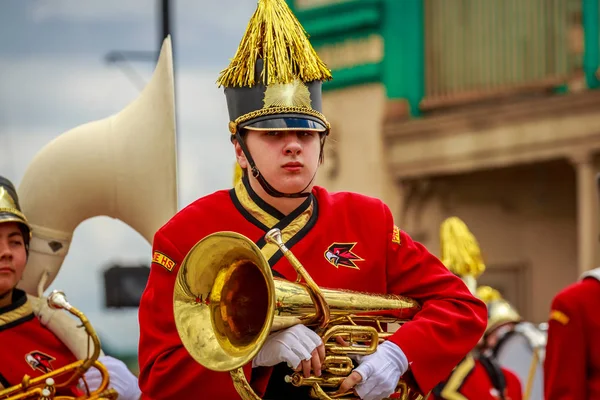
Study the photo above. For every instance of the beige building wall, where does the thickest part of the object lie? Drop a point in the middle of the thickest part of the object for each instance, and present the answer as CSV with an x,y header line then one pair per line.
x,y
355,157
523,181
524,219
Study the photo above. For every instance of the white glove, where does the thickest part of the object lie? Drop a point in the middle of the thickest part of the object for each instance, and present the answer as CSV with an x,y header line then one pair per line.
x,y
381,371
121,379
291,345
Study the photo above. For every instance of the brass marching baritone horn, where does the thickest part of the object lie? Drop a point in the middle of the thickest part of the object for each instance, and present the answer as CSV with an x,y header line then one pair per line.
x,y
226,303
44,387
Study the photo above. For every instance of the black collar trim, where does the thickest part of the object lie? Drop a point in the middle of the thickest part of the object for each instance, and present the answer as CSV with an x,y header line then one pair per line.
x,y
299,235
19,298
286,220
266,207
238,205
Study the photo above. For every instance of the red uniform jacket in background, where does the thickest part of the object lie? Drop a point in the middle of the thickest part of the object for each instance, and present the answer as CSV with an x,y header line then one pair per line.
x,y
572,364
28,348
472,380
379,259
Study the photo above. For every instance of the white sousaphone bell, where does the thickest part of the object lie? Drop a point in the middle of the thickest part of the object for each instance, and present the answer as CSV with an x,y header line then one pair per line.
x,y
123,167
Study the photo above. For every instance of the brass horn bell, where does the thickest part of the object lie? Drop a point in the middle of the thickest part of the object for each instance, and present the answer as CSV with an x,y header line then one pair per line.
x,y
226,303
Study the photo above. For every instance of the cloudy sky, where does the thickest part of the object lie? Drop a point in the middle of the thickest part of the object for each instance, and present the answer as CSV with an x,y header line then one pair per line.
x,y
54,76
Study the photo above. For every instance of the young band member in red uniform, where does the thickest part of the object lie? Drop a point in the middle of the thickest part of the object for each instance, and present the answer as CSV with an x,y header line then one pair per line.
x,y
489,380
572,364
344,240
27,345
478,376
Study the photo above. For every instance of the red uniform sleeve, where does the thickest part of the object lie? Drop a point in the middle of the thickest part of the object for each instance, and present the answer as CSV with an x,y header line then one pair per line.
x,y
451,320
565,364
513,385
167,371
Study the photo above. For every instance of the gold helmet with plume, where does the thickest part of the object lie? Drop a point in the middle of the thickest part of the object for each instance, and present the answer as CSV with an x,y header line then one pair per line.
x,y
462,256
10,210
460,251
500,311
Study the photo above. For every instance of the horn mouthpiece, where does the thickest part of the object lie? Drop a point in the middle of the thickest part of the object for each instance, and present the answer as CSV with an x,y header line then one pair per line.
x,y
58,300
274,237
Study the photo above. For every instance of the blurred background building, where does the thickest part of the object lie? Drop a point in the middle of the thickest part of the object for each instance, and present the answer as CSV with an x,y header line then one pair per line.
x,y
482,109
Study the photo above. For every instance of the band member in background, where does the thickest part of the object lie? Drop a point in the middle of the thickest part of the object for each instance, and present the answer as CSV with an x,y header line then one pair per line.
x,y
572,364
502,318
344,240
27,345
478,376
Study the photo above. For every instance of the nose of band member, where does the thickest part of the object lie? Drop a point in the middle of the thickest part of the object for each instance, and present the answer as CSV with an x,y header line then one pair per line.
x,y
292,145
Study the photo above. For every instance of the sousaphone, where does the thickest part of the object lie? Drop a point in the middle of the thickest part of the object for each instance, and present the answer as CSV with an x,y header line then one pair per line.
x,y
123,167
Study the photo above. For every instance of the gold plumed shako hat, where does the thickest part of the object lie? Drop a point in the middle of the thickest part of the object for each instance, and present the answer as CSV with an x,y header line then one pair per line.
x,y
460,251
500,311
10,210
274,80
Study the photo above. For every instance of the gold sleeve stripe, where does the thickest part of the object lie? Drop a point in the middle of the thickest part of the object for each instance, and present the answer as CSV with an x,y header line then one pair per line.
x,y
559,316
452,389
396,235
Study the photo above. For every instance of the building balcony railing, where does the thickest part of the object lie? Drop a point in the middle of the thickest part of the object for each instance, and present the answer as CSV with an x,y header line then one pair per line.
x,y
478,49
439,53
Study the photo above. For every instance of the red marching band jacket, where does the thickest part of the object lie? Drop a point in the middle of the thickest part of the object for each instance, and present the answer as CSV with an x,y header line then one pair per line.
x,y
377,258
572,363
29,348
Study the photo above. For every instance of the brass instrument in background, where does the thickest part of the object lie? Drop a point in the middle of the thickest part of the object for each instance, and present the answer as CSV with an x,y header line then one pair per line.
x,y
45,387
110,167
226,303
123,167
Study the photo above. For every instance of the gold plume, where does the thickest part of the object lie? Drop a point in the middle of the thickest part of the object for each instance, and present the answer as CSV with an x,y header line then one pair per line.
x,y
460,250
274,35
488,294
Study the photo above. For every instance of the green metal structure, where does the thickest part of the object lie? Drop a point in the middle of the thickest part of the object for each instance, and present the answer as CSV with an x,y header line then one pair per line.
x,y
440,52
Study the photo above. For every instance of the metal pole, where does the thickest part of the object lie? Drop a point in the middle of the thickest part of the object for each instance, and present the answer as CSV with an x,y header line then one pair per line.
x,y
165,20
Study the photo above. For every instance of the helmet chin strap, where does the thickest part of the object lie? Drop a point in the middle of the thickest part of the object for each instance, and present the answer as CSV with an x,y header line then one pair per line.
x,y
270,190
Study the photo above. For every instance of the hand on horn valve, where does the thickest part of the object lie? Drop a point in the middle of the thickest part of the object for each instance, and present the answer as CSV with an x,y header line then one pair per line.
x,y
378,374
121,379
298,346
